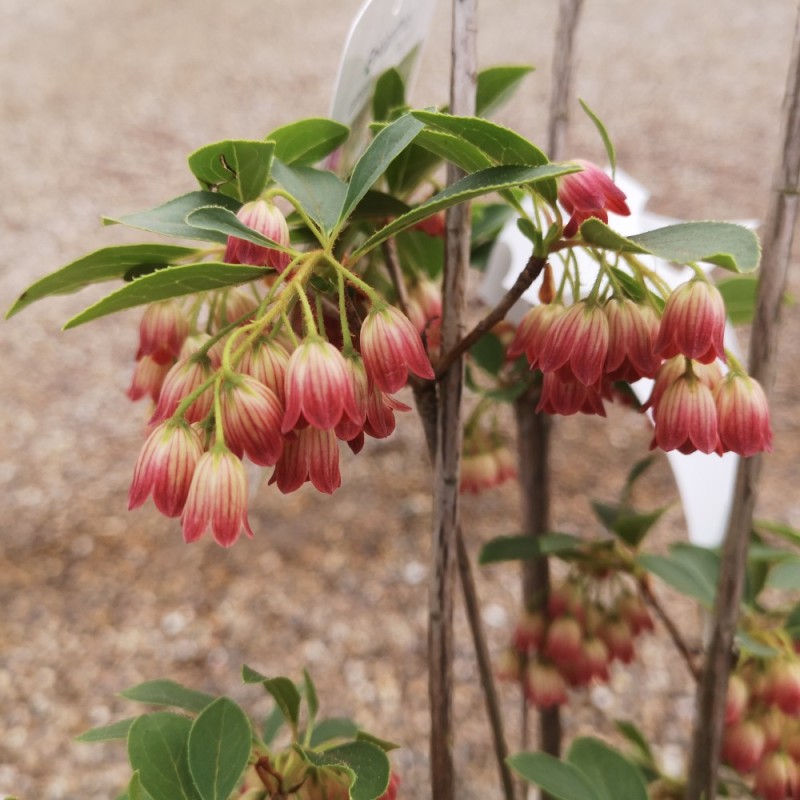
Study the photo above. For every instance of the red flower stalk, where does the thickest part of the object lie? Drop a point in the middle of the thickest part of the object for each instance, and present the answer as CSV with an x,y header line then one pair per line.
x,y
743,415
312,456
532,330
267,219
576,344
391,348
162,331
589,193
267,362
631,334
544,685
148,378
251,419
743,745
217,499
686,418
184,377
165,467
693,323
318,386
567,396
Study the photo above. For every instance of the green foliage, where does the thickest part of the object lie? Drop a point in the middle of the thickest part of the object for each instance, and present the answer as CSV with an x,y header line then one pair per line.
x,y
167,283
489,353
220,741
739,293
328,730
558,778
366,760
691,570
629,525
601,129
420,254
389,95
496,86
307,141
117,730
168,693
123,261
169,218
724,244
239,169
524,547
222,220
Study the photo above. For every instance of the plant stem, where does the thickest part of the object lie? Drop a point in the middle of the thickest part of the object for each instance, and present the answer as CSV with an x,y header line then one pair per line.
x,y
777,238
449,429
528,275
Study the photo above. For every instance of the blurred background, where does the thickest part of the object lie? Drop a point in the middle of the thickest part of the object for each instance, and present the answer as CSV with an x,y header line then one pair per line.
x,y
100,104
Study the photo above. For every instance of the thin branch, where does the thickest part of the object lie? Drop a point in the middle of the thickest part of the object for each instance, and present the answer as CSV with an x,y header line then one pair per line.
x,y
449,427
396,273
532,269
672,628
777,238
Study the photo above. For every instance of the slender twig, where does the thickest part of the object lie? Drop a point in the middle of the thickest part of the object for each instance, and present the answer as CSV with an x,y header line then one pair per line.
x,y
777,238
396,273
532,269
672,628
449,428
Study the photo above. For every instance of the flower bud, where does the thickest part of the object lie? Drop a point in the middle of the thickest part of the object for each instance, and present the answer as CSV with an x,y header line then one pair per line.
x,y
777,777
589,193
563,640
743,745
544,685
267,219
162,332
743,416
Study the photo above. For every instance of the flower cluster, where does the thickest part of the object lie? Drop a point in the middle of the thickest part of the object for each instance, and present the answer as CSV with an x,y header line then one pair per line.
x,y
486,461
762,718
259,381
587,625
584,349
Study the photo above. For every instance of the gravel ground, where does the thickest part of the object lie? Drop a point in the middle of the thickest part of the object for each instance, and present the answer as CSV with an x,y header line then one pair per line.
x,y
100,104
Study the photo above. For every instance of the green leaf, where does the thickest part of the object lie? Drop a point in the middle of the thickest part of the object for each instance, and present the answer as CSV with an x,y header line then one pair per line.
x,y
379,205
169,219
167,283
219,748
157,748
496,85
250,675
116,730
450,148
739,294
601,129
390,94
123,261
502,145
488,220
236,168
370,764
792,623
489,353
319,192
382,150
286,696
643,751
135,789
479,183
334,728
168,693
522,547
688,578
636,472
308,140
421,254
747,643
725,244
779,529
214,218
624,522
612,776
384,744
785,575
558,778
272,724
312,701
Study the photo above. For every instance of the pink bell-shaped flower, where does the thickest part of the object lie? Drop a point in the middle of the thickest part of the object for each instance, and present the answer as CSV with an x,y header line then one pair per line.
x,y
544,685
267,362
743,415
391,348
267,219
312,455
743,745
318,386
532,330
162,332
184,378
631,335
589,193
148,378
577,344
217,498
165,467
777,777
252,417
693,323
686,417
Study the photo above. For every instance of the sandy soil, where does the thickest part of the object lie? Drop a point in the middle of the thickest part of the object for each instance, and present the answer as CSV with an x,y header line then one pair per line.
x,y
100,104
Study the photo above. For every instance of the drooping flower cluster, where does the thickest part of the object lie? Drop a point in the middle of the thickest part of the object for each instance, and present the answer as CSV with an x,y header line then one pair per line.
x,y
573,642
584,349
258,384
762,725
486,462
